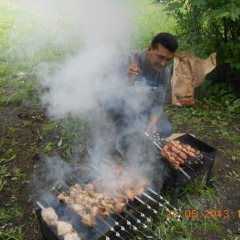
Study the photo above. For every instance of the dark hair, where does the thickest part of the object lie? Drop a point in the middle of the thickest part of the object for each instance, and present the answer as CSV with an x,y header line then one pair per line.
x,y
167,40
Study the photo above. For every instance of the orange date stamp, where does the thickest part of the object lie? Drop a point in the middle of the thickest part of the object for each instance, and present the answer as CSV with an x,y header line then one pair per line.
x,y
207,213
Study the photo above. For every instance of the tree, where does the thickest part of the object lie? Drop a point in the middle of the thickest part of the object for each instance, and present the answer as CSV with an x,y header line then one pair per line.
x,y
207,26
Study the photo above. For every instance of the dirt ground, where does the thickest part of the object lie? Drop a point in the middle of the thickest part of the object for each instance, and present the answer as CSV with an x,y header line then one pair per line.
x,y
28,144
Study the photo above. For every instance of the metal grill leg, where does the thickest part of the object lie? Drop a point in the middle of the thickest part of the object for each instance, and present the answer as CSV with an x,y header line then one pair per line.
x,y
209,176
175,196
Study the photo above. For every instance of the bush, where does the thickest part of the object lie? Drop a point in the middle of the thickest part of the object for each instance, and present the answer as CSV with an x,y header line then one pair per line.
x,y
210,26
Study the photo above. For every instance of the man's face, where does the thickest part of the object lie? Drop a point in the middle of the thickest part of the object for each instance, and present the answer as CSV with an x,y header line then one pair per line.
x,y
159,58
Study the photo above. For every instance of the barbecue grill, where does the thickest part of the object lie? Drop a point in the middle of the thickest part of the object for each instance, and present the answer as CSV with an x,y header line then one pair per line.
x,y
140,213
191,169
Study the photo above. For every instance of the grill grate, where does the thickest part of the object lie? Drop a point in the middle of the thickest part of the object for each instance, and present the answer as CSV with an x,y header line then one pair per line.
x,y
143,210
137,215
192,168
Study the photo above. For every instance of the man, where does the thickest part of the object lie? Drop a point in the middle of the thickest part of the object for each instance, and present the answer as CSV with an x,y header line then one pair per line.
x,y
152,66
148,75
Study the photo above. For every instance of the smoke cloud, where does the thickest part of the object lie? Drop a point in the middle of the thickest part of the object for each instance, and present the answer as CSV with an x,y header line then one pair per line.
x,y
86,79
99,29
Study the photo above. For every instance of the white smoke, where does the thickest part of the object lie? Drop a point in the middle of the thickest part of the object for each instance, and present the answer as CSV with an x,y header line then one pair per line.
x,y
73,88
101,28
101,31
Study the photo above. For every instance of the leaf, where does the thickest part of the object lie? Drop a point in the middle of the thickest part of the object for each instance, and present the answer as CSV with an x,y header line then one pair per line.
x,y
2,183
237,65
198,3
60,142
224,15
231,109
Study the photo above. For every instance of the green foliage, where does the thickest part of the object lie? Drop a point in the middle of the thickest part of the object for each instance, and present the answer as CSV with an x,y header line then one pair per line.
x,y
210,26
75,131
225,94
234,175
49,127
13,233
48,147
7,231
25,46
215,114
4,174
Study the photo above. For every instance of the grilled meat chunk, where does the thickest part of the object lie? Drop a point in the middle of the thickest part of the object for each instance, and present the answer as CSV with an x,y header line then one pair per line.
x,y
88,220
64,228
79,209
49,216
74,190
72,236
89,188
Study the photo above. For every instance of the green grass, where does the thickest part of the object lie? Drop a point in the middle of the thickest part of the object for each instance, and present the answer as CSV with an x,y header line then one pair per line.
x,y
149,19
24,45
234,175
7,216
206,121
190,200
222,121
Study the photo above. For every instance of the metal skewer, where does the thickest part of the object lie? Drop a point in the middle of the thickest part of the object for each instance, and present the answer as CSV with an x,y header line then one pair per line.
x,y
188,166
161,205
161,198
161,150
184,173
100,218
111,228
40,205
148,207
130,224
208,157
106,237
121,227
142,215
142,224
115,222
42,208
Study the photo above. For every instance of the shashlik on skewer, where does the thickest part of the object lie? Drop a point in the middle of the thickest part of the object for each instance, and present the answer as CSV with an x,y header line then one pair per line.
x,y
177,153
64,229
89,204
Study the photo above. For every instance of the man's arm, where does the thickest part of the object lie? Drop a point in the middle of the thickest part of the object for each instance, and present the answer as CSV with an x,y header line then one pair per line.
x,y
152,123
154,117
129,69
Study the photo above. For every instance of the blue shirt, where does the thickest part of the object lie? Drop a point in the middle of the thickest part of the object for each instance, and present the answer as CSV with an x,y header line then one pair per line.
x,y
153,84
